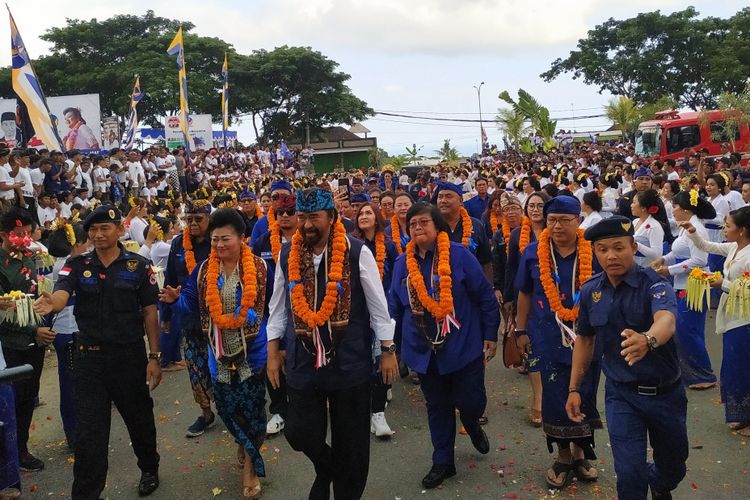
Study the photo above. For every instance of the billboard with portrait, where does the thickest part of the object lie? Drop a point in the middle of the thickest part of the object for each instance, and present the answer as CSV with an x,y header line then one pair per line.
x,y
110,132
199,127
9,132
78,121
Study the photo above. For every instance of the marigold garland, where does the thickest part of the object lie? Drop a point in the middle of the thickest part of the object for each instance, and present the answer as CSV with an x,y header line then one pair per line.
x,y
187,244
439,310
275,236
249,291
466,228
545,271
335,274
506,234
380,252
525,237
258,211
396,234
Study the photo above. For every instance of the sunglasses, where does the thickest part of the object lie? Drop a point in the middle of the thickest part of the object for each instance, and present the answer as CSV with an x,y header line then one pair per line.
x,y
286,211
194,218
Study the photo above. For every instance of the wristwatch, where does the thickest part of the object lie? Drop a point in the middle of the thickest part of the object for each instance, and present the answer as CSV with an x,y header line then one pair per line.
x,y
652,342
390,349
154,356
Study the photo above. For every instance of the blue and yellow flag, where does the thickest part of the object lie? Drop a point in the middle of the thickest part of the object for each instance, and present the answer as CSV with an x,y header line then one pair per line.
x,y
176,48
135,98
28,89
225,100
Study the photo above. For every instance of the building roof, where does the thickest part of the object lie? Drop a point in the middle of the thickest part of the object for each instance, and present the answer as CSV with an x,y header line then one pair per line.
x,y
334,134
358,128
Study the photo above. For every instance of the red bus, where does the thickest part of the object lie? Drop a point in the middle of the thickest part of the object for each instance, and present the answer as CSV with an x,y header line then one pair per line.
x,y
673,132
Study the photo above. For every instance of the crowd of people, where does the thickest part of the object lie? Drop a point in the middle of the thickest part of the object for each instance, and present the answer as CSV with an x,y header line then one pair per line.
x,y
260,278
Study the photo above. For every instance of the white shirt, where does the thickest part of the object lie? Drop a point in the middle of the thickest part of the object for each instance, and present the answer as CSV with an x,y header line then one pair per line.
x,y
136,174
5,178
25,176
649,235
714,226
685,255
590,220
734,198
609,202
673,176
46,215
137,225
372,288
735,264
157,253
37,177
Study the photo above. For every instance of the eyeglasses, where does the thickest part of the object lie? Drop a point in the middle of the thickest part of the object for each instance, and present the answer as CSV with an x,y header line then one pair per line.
x,y
194,218
419,222
511,208
286,211
535,206
563,221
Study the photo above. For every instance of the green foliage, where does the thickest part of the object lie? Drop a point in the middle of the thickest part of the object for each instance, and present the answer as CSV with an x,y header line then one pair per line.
x,y
538,115
736,110
512,124
690,59
627,115
447,152
413,153
283,89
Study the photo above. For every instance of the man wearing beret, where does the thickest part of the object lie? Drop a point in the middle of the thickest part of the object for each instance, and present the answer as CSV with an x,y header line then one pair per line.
x,y
279,186
642,181
628,313
550,274
116,297
248,206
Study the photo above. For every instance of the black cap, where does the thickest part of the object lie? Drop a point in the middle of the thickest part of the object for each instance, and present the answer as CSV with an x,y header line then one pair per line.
x,y
613,227
104,213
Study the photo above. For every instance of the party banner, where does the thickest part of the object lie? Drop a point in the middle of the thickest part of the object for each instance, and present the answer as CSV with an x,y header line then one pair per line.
x,y
78,121
199,127
110,132
11,133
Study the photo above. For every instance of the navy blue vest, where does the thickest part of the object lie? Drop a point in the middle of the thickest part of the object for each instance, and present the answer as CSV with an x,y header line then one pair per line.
x,y
352,355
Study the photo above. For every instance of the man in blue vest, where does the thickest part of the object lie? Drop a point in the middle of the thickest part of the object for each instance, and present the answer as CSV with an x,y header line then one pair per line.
x,y
328,367
630,311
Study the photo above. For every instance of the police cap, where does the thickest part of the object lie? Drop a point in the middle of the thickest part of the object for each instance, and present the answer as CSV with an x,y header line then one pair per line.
x,y
104,213
613,227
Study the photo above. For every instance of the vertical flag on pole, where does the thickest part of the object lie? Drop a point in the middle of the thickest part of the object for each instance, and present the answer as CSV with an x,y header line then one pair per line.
x,y
26,86
484,136
176,48
225,100
135,98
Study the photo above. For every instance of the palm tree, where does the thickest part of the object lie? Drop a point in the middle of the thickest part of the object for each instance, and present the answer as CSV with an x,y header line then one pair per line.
x,y
530,108
624,114
512,124
447,152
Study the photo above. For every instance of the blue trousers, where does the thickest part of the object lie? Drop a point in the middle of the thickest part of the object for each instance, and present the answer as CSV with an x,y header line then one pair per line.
x,y
10,474
462,390
65,349
169,343
633,420
691,344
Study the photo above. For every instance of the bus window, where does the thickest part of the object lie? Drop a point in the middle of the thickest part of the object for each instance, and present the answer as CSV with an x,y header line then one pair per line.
x,y
679,138
719,132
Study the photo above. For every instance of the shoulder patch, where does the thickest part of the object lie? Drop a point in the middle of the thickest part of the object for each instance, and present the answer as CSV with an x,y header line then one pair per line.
x,y
131,265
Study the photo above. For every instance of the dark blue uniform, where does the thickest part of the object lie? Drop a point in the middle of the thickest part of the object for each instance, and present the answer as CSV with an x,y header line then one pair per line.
x,y
646,399
452,376
478,243
477,206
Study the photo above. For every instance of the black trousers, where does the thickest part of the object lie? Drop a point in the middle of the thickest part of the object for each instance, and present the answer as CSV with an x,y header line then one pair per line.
x,y
26,390
103,375
346,462
278,397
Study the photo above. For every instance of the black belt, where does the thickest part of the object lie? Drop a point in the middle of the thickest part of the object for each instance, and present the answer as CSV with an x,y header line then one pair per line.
x,y
645,389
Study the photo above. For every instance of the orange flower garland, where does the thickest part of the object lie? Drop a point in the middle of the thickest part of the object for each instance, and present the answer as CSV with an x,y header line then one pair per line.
x,y
273,227
506,234
396,234
525,237
466,228
187,244
335,274
249,291
493,222
545,271
380,252
439,310
258,211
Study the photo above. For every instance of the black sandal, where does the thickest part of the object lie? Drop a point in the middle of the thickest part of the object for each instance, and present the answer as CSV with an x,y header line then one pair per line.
x,y
557,469
581,468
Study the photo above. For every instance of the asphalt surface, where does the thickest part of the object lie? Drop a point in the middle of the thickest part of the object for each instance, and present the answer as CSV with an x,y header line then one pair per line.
x,y
205,467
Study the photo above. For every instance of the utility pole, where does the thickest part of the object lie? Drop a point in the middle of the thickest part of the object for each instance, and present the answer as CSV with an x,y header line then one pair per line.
x,y
482,136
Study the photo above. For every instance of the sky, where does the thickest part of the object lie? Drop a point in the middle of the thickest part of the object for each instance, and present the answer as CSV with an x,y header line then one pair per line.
x,y
418,57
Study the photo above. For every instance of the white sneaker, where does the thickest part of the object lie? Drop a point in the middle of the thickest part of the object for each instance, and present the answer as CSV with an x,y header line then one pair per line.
x,y
379,426
389,395
275,425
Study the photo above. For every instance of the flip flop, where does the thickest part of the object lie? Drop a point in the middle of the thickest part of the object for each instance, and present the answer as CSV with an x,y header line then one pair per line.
x,y
702,386
563,473
584,471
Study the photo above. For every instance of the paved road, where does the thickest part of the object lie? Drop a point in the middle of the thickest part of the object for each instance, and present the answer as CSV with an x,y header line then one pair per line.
x,y
196,468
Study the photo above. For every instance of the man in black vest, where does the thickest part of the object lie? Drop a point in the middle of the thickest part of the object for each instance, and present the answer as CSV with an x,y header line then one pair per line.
x,y
327,304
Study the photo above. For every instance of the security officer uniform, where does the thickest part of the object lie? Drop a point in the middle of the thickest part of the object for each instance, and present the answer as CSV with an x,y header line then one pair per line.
x,y
646,399
110,362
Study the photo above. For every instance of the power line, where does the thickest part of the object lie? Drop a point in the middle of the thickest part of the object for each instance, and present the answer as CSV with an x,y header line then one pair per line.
x,y
466,120
476,113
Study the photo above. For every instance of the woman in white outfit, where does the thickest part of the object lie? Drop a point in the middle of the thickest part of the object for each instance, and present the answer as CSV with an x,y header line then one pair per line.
x,y
715,185
608,184
649,233
591,207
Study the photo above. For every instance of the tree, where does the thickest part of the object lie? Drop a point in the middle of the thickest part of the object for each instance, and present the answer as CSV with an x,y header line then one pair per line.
x,y
736,114
622,111
447,153
530,108
652,55
413,153
284,89
289,88
512,124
